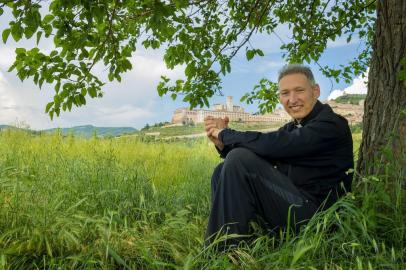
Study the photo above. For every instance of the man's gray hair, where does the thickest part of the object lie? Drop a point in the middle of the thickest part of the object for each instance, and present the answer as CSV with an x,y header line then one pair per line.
x,y
297,68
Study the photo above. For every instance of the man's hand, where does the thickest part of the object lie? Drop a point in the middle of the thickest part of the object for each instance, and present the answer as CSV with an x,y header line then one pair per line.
x,y
213,126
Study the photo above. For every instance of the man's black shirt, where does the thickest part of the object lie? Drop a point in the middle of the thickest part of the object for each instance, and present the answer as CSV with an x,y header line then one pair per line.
x,y
316,154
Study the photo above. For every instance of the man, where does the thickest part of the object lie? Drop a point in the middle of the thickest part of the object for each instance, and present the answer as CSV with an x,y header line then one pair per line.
x,y
282,177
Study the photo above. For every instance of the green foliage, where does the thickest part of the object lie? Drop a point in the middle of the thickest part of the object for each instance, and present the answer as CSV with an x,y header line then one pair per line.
x,y
351,98
265,93
203,36
74,203
314,23
357,128
146,127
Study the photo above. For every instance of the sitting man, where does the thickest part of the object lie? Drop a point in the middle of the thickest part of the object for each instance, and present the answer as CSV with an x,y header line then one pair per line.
x,y
302,167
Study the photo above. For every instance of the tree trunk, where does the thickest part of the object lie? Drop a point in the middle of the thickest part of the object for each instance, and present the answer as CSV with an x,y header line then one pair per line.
x,y
386,98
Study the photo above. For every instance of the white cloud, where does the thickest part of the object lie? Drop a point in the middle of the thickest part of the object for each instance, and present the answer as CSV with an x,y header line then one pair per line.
x,y
138,86
273,64
6,101
264,66
94,114
335,94
119,116
358,86
2,78
7,56
14,108
27,106
151,67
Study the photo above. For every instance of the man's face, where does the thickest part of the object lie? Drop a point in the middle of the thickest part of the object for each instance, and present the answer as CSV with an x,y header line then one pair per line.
x,y
297,95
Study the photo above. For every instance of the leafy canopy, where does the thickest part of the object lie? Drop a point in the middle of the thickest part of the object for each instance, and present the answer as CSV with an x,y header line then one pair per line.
x,y
202,35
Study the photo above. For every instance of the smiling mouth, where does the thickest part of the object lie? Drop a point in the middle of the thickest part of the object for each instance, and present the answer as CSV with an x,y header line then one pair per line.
x,y
297,107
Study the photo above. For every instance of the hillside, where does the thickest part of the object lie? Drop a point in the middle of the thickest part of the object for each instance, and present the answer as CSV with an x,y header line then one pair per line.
x,y
351,98
82,131
89,130
4,126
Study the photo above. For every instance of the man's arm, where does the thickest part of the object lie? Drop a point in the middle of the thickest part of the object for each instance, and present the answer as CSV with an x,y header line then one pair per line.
x,y
308,140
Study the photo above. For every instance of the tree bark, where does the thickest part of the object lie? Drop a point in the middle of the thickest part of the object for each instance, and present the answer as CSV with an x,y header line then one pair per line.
x,y
383,124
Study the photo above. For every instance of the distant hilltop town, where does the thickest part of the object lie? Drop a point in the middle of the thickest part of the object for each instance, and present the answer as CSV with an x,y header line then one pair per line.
x,y
235,113
183,116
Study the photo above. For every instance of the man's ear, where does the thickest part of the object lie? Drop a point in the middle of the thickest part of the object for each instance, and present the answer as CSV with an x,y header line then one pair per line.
x,y
316,90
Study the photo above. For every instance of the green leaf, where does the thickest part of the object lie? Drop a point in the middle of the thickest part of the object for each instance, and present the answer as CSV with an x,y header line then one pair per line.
x,y
22,74
48,30
250,54
16,31
36,77
53,53
92,92
190,70
47,19
12,67
5,34
39,34
57,86
82,100
20,51
41,82
259,52
28,32
111,76
49,106
69,104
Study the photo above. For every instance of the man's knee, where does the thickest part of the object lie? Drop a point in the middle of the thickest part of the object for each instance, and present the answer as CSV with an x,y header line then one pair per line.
x,y
239,157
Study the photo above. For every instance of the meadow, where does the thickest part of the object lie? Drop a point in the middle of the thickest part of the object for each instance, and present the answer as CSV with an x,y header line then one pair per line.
x,y
123,203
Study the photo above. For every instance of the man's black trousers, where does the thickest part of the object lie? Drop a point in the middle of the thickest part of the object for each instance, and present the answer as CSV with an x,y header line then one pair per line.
x,y
247,188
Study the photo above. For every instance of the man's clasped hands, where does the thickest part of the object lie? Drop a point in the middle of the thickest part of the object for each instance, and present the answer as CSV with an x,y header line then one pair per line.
x,y
213,126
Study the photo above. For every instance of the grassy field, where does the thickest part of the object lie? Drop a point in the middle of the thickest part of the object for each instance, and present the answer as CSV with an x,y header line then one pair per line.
x,y
71,203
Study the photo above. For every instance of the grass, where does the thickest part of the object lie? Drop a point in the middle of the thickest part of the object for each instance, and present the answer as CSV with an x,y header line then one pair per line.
x,y
72,203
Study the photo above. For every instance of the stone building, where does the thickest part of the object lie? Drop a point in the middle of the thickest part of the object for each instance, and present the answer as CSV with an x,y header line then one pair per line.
x,y
234,113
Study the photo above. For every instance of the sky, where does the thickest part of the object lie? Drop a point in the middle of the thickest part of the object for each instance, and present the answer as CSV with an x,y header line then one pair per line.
x,y
135,102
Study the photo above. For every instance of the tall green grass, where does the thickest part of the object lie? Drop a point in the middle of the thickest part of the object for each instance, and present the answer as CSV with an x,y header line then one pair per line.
x,y
72,203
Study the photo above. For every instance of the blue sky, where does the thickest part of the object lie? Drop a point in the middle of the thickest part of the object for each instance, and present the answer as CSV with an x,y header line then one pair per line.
x,y
135,102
